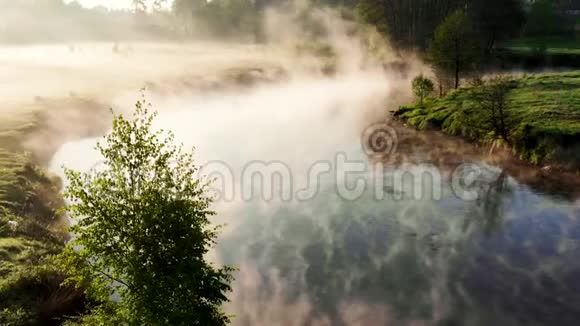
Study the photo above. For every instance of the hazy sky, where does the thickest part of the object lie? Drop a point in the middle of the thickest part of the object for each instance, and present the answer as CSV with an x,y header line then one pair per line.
x,y
112,4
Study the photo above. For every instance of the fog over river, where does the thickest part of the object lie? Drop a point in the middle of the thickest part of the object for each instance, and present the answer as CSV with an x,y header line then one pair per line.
x,y
510,255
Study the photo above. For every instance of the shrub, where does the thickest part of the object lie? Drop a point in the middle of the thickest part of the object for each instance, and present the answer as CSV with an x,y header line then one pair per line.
x,y
422,87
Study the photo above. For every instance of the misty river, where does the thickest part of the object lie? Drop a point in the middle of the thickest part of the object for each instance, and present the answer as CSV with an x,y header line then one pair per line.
x,y
391,254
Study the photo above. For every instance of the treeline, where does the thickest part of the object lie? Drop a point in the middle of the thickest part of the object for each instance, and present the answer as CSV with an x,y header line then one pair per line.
x,y
229,18
32,21
460,36
411,23
406,23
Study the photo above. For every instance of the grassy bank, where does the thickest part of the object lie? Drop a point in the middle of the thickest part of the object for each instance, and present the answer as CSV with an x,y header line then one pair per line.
x,y
538,53
554,45
26,238
31,231
543,112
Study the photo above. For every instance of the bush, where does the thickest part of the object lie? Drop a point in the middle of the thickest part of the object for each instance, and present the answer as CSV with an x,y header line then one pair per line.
x,y
493,104
422,87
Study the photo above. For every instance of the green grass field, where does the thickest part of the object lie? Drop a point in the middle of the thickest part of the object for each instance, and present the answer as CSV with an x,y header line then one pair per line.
x,y
550,45
543,109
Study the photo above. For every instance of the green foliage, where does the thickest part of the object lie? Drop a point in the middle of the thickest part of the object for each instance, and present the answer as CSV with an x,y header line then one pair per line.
x,y
491,102
497,20
407,23
542,19
32,289
422,87
29,200
374,12
27,190
542,115
15,316
454,49
549,45
104,314
143,229
410,23
223,18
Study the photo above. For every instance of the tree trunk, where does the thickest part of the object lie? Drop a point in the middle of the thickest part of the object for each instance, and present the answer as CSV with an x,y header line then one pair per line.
x,y
490,44
456,75
457,62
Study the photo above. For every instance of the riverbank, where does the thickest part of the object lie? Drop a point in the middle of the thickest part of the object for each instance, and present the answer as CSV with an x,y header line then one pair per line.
x,y
543,113
539,53
32,228
447,153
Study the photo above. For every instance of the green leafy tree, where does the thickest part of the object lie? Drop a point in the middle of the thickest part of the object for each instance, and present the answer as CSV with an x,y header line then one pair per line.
x,y
143,229
221,18
497,20
374,12
454,49
492,101
542,19
422,87
407,23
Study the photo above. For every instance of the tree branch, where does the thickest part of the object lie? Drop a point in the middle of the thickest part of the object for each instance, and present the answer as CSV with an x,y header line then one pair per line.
x,y
109,276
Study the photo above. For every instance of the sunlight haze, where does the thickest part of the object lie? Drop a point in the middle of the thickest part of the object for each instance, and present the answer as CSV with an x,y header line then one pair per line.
x,y
111,4
290,162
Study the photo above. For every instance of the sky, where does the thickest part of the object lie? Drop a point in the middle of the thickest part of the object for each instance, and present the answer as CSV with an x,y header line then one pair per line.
x,y
111,4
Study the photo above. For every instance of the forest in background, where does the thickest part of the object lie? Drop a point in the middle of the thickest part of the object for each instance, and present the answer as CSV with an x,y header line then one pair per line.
x,y
406,23
505,34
